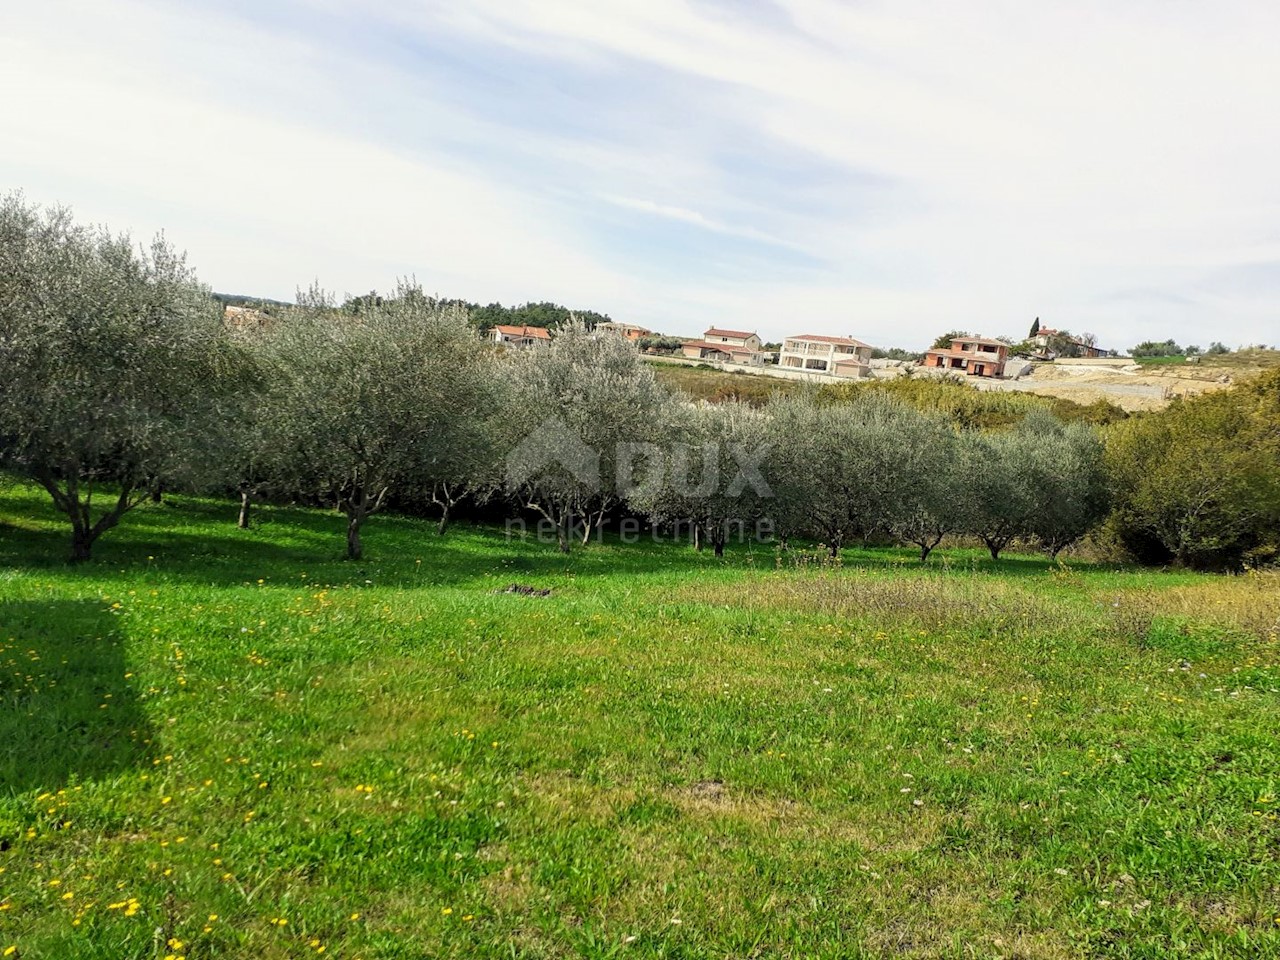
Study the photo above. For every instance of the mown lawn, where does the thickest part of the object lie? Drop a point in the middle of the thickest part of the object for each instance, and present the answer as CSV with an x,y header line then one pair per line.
x,y
225,743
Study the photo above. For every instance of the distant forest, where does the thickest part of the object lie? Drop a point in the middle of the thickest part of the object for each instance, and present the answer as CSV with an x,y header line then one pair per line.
x,y
545,314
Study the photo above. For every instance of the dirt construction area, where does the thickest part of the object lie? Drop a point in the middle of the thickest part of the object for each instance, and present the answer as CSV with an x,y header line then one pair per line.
x,y
1132,386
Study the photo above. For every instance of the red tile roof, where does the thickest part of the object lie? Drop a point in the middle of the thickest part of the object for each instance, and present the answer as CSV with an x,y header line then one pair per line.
x,y
537,333
739,334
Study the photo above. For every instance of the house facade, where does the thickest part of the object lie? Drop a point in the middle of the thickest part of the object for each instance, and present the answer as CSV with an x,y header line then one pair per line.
x,y
971,356
725,346
520,337
734,338
1052,343
628,331
834,356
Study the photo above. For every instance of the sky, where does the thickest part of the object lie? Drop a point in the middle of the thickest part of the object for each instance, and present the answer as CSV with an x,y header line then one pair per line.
x,y
886,170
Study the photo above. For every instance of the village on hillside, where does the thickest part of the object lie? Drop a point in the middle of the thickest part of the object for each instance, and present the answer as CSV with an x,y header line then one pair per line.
x,y
1049,361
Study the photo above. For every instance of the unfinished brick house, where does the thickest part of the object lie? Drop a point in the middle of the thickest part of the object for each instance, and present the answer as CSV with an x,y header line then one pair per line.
x,y
971,356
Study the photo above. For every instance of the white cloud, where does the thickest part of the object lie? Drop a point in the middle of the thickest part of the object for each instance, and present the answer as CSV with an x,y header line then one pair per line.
x,y
1105,166
264,205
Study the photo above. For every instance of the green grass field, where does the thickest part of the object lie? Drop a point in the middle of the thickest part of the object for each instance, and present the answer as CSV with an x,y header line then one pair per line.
x,y
225,743
708,383
1238,361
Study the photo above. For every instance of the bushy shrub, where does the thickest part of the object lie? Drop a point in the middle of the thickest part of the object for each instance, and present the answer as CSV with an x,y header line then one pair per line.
x,y
1198,484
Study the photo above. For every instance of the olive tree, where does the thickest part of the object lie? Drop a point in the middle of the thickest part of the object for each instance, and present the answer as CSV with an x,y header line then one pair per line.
x,y
930,506
254,448
471,467
374,401
1069,481
846,469
999,488
709,473
580,409
116,372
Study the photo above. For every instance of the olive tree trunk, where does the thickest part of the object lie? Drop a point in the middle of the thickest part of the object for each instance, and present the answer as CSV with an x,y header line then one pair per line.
x,y
78,507
358,505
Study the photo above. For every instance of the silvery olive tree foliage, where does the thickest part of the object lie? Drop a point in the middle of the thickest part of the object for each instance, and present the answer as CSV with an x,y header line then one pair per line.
x,y
1040,480
931,505
363,404
580,408
116,372
710,473
999,495
1070,481
847,469
253,461
471,466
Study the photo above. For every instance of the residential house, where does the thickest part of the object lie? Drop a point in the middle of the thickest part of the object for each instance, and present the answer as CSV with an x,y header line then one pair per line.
x,y
521,337
629,331
834,356
725,346
972,356
734,338
1053,343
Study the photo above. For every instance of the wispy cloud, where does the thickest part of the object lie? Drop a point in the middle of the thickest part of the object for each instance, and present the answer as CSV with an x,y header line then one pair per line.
x,y
694,218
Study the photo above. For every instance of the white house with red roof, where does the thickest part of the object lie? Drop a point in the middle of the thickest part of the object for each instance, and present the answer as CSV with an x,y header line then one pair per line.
x,y
834,356
517,336
726,346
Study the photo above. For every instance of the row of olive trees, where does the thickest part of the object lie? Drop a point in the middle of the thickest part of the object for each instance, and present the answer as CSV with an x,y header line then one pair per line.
x,y
872,467
117,369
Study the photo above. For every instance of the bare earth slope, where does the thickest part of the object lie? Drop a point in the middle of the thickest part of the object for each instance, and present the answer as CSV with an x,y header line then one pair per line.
x,y
1146,386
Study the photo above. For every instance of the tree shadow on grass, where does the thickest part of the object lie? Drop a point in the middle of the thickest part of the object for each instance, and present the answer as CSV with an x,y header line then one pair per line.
x,y
68,711
195,541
